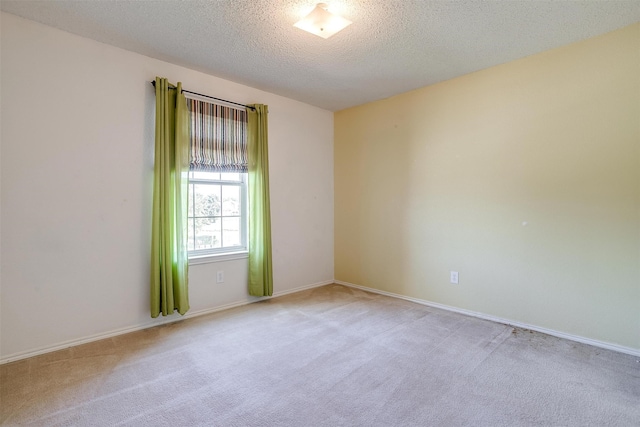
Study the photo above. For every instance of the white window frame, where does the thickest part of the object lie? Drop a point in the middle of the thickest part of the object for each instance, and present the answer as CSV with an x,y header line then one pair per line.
x,y
197,256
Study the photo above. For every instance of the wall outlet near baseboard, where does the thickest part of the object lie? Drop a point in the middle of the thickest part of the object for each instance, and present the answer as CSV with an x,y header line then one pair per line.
x,y
220,276
453,277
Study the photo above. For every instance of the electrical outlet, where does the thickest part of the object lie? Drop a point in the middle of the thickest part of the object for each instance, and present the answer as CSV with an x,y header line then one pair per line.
x,y
453,277
220,276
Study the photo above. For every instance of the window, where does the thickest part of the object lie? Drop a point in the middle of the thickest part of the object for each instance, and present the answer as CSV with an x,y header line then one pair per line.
x,y
217,213
217,216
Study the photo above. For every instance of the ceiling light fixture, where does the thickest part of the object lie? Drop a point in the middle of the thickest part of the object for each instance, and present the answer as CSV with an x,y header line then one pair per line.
x,y
322,23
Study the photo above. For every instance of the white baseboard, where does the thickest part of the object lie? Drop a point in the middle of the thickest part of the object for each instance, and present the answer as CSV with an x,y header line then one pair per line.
x,y
300,288
577,338
170,319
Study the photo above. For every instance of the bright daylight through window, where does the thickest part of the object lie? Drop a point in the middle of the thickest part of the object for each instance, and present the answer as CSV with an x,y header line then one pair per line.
x,y
217,213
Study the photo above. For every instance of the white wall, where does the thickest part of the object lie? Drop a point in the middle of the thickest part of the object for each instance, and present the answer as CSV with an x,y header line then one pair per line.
x,y
76,165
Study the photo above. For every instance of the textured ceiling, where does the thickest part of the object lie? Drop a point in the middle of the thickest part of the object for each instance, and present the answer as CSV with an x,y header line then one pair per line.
x,y
392,46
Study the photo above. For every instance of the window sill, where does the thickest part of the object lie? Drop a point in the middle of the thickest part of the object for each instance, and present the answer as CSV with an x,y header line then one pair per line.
x,y
229,256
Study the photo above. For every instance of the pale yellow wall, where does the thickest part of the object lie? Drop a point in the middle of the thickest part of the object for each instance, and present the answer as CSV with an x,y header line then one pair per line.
x,y
524,177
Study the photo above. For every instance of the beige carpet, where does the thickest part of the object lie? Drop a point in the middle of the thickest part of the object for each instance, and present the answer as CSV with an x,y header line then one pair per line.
x,y
331,356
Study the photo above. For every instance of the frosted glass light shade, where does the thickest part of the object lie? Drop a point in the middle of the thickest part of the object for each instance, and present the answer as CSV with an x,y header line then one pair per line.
x,y
322,23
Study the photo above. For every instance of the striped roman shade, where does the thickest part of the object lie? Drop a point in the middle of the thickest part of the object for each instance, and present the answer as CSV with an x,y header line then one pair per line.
x,y
218,137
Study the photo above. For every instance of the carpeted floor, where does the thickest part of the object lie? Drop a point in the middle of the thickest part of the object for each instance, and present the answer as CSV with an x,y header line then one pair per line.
x,y
330,356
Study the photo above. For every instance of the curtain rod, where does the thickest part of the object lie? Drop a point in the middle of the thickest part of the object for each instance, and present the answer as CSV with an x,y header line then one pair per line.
x,y
210,97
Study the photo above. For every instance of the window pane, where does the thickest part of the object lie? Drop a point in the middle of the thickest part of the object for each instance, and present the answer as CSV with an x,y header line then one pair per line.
x,y
204,175
190,236
190,209
215,213
208,233
230,200
231,231
207,200
230,176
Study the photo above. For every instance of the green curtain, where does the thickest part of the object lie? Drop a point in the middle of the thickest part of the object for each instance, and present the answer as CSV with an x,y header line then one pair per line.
x,y
169,260
260,268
